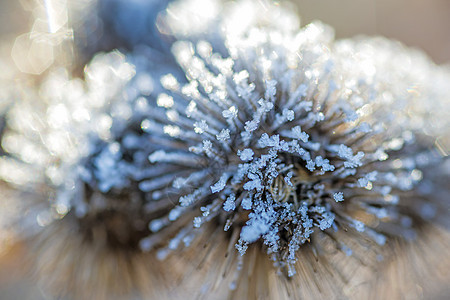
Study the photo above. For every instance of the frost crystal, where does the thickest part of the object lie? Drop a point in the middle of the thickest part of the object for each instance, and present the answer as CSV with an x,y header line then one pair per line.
x,y
338,197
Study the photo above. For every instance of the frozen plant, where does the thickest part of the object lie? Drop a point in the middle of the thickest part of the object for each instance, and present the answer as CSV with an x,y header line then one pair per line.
x,y
290,137
277,139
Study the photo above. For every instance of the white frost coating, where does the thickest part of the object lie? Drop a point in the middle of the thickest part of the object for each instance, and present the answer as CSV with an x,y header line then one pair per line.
x,y
110,169
175,213
220,185
223,135
297,133
359,226
288,114
230,113
229,203
170,82
338,197
247,203
251,126
165,100
157,155
200,127
246,154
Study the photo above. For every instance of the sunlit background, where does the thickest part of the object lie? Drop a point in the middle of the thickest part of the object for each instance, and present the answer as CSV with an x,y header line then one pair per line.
x,y
35,35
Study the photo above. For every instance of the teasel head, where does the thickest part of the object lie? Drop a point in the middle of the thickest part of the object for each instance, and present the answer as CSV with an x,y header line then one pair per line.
x,y
282,142
298,146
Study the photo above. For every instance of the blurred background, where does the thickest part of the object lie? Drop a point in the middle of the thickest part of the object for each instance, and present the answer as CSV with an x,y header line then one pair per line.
x,y
26,53
416,23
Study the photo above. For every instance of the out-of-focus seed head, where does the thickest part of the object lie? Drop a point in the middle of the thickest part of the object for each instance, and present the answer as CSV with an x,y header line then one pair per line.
x,y
77,150
80,144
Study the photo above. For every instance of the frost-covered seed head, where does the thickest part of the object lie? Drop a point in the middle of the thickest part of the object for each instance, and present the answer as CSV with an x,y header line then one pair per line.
x,y
287,140
283,136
